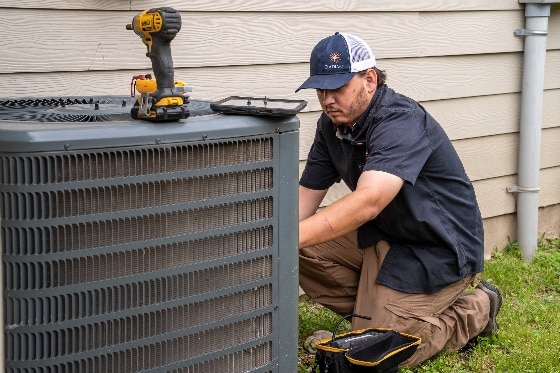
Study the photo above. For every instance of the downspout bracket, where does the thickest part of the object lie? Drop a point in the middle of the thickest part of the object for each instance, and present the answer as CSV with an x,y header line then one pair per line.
x,y
524,32
518,189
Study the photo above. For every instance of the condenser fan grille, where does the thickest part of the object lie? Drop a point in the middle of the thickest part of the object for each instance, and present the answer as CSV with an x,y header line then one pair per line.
x,y
78,109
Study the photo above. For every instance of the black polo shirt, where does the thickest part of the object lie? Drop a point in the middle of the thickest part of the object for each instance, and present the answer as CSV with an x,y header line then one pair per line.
x,y
433,225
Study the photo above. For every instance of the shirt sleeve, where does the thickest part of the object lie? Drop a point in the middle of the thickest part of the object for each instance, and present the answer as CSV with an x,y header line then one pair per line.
x,y
398,143
319,173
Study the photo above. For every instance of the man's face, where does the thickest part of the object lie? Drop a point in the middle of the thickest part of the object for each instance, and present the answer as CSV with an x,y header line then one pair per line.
x,y
345,104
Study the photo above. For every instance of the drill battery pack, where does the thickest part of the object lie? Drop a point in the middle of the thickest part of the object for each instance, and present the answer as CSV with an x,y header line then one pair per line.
x,y
161,113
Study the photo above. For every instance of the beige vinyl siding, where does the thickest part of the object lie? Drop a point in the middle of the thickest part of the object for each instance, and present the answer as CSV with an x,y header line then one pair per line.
x,y
70,42
460,59
275,6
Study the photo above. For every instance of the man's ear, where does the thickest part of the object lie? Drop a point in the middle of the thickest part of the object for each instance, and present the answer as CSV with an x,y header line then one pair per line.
x,y
371,79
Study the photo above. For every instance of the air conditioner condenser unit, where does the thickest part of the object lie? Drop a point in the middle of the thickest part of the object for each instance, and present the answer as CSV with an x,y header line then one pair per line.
x,y
131,246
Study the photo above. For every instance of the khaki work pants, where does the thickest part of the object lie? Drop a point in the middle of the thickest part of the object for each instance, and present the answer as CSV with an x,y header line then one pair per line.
x,y
341,276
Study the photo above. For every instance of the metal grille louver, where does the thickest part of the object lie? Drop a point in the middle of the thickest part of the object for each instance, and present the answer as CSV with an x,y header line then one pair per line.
x,y
153,258
78,109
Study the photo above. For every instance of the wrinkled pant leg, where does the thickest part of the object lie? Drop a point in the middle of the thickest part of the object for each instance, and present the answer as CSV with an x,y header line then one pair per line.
x,y
370,299
451,328
446,319
329,273
464,319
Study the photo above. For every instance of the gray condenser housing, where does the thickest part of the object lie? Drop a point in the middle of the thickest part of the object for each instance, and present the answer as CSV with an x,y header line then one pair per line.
x,y
130,246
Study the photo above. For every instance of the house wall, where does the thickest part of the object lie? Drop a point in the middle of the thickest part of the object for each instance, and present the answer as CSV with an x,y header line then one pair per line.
x,y
460,59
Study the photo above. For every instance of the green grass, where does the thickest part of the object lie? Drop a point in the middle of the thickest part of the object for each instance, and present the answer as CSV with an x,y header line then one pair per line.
x,y
529,336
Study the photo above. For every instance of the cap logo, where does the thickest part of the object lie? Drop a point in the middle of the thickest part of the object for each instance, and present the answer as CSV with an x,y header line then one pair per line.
x,y
335,57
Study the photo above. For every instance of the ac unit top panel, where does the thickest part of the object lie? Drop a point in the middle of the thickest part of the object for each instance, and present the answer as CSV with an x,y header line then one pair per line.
x,y
30,132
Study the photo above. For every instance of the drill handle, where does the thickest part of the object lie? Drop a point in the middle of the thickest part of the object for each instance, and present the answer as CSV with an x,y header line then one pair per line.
x,y
162,64
160,51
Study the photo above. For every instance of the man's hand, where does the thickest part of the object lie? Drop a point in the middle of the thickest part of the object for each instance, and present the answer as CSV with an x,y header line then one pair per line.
x,y
374,191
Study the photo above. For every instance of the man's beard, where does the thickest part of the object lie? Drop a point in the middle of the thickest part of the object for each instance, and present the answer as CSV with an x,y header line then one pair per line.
x,y
356,109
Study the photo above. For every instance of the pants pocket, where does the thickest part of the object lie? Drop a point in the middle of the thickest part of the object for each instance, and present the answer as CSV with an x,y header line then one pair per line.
x,y
412,320
420,323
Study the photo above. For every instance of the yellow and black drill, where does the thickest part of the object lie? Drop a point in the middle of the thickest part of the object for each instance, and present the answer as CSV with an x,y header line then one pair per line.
x,y
157,27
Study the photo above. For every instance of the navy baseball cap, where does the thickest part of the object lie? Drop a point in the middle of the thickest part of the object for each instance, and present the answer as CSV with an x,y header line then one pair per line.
x,y
336,59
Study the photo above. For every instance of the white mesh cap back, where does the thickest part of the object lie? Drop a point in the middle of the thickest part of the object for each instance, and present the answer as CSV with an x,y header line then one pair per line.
x,y
361,56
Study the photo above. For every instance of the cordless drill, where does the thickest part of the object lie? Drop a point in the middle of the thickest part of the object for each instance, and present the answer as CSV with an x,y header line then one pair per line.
x,y
157,27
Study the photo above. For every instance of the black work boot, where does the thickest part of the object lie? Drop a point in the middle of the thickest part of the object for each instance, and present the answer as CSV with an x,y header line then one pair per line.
x,y
495,305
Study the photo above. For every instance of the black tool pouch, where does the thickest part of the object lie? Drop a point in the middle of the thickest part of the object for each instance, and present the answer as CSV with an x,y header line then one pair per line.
x,y
376,350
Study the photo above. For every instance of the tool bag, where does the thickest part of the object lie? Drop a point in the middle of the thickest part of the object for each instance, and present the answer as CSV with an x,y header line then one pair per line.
x,y
375,350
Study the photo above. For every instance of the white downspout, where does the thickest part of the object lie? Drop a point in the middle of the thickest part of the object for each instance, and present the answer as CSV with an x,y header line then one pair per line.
x,y
535,32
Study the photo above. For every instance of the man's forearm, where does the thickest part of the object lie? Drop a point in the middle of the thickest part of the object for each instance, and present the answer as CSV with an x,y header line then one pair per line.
x,y
309,201
374,191
335,220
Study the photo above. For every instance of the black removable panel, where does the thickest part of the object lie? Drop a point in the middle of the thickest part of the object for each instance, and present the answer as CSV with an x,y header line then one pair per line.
x,y
258,106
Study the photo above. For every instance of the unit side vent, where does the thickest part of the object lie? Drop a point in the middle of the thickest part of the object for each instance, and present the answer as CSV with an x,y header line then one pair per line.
x,y
146,259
